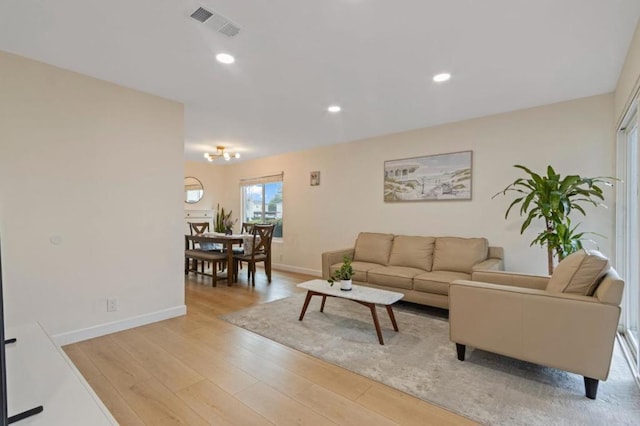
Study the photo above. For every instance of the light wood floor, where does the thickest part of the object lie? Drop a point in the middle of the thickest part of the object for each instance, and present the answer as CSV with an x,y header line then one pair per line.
x,y
198,370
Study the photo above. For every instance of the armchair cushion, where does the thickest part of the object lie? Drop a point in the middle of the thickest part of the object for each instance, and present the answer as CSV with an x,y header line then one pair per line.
x,y
373,248
579,273
514,279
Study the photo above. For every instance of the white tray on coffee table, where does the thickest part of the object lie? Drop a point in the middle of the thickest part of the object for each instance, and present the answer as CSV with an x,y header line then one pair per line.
x,y
366,296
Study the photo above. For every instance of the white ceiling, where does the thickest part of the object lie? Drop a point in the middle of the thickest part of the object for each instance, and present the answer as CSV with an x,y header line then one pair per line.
x,y
375,58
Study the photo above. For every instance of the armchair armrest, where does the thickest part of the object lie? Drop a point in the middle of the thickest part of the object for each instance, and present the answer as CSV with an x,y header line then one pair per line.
x,y
511,279
332,257
490,264
566,331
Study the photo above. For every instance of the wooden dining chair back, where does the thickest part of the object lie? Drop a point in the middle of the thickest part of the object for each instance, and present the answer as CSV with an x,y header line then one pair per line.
x,y
257,249
247,228
197,228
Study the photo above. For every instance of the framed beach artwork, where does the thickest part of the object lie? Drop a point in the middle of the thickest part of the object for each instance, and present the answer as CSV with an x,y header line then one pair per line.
x,y
429,178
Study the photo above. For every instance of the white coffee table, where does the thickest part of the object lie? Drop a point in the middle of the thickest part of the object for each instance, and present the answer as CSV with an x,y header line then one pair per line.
x,y
366,296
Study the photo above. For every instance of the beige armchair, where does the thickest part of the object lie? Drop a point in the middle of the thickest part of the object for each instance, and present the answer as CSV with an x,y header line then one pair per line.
x,y
567,321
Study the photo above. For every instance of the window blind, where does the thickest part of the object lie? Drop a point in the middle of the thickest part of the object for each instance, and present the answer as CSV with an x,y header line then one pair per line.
x,y
262,179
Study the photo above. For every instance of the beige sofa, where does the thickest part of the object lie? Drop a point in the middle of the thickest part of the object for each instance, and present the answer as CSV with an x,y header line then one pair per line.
x,y
566,321
422,268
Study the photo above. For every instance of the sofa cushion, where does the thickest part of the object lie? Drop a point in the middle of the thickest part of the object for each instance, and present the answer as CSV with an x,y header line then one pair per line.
x,y
414,252
360,269
459,254
393,276
579,273
373,248
438,281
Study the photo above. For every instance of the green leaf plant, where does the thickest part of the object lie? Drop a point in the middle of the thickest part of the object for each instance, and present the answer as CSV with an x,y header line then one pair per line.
x,y
552,199
344,273
223,220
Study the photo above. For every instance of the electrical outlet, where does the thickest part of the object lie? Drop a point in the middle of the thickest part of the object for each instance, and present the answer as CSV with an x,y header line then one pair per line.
x,y
112,304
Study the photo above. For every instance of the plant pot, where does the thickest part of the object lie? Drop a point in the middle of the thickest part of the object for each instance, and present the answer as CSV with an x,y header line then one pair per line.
x,y
228,231
345,285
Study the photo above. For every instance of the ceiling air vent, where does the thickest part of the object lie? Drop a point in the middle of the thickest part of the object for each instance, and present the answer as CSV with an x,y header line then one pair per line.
x,y
215,21
229,30
201,14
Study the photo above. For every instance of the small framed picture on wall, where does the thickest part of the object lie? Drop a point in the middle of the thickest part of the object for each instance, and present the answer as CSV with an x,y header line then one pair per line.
x,y
314,179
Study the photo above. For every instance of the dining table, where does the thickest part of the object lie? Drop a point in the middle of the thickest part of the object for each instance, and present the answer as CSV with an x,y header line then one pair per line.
x,y
228,241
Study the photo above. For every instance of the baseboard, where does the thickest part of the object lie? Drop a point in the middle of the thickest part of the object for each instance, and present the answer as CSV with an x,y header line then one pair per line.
x,y
289,268
74,336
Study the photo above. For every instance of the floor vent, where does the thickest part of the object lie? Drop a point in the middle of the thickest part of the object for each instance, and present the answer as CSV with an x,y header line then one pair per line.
x,y
215,21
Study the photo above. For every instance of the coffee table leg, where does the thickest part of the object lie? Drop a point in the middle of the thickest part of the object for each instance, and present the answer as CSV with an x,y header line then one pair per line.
x,y
306,304
324,299
374,314
392,317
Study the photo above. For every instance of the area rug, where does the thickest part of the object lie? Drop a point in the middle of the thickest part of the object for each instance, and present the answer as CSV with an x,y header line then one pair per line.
x,y
421,361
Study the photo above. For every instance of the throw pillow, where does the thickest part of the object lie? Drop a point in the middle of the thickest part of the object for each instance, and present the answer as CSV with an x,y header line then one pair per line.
x,y
579,273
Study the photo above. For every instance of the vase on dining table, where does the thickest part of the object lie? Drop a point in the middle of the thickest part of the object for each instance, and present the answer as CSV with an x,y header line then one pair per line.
x,y
228,231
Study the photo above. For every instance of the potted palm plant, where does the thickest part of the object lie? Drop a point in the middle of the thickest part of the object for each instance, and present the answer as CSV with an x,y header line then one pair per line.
x,y
552,198
343,274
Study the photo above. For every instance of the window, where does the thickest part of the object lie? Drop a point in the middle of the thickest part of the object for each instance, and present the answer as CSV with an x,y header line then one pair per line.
x,y
262,201
628,230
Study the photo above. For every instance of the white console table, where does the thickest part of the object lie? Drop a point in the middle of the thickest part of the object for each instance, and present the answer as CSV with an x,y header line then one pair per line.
x,y
40,373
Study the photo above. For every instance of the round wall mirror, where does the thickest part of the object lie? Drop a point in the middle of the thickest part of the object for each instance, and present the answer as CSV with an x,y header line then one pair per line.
x,y
193,190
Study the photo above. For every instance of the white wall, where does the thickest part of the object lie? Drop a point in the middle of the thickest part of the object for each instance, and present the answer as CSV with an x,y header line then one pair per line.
x,y
101,167
629,80
211,177
574,137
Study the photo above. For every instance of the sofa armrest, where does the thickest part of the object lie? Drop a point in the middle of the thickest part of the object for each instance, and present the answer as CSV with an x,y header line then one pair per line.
x,y
491,264
332,257
496,252
511,278
566,331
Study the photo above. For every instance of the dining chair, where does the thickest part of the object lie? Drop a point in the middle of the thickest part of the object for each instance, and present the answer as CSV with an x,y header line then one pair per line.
x,y
257,248
196,228
199,228
247,228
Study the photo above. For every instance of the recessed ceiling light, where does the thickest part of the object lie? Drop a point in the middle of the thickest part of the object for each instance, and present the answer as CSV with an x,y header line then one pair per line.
x,y
334,108
225,58
439,78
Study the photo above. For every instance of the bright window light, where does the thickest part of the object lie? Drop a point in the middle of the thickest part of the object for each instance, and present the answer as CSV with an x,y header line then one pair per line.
x,y
334,108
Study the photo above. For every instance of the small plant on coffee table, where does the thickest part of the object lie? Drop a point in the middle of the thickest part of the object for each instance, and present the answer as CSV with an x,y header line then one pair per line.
x,y
344,273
